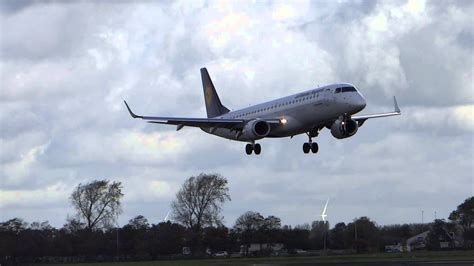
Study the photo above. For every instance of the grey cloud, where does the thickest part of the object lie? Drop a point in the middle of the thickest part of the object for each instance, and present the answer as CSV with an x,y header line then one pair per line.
x,y
52,30
466,39
428,67
15,112
47,25
9,7
341,12
14,147
422,73
70,101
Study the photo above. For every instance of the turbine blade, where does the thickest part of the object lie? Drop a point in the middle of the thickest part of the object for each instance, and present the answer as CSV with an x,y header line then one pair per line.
x,y
325,206
166,217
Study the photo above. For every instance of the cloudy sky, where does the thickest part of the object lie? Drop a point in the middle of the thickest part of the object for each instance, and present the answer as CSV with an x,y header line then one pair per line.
x,y
65,69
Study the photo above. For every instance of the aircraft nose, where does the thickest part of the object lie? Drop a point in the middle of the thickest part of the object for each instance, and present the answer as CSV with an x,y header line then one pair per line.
x,y
360,103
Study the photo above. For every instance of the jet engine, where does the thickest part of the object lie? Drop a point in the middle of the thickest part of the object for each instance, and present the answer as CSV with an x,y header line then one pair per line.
x,y
344,127
255,129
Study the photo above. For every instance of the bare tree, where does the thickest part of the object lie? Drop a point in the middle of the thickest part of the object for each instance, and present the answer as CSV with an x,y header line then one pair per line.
x,y
247,225
249,221
72,225
464,215
199,201
272,223
138,223
254,227
98,203
15,225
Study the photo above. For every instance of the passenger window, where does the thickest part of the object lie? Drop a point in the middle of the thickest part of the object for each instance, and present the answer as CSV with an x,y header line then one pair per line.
x,y
338,90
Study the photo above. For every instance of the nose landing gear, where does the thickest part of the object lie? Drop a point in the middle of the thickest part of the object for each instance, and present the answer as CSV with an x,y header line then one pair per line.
x,y
310,145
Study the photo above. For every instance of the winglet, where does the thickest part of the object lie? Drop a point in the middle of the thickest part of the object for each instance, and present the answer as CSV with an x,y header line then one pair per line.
x,y
395,104
130,111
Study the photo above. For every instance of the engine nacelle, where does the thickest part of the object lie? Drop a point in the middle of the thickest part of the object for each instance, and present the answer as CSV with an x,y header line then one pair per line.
x,y
255,129
344,128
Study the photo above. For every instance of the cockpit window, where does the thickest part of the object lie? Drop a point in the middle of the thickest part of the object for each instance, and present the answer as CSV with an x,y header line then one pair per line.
x,y
347,89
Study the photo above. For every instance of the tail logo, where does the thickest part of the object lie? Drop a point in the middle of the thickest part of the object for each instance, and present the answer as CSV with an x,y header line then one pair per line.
x,y
208,95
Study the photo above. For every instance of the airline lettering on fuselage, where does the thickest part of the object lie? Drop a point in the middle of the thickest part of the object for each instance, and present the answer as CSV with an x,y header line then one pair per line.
x,y
309,93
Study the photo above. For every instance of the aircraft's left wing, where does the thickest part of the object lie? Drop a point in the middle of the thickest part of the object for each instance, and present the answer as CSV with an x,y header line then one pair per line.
x,y
362,118
236,124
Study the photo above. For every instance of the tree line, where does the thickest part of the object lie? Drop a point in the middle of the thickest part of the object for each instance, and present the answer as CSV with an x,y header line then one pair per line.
x,y
93,235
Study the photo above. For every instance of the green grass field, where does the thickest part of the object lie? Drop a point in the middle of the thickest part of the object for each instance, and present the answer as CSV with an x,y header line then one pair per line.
x,y
378,257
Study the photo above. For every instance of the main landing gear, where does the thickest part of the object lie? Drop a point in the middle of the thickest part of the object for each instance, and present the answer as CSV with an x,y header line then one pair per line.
x,y
310,145
253,147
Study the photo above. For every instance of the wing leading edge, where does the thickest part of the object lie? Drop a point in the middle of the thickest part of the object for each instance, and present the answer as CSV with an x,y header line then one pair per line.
x,y
236,124
362,118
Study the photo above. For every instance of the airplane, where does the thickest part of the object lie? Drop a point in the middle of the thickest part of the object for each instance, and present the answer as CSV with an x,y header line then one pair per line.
x,y
332,106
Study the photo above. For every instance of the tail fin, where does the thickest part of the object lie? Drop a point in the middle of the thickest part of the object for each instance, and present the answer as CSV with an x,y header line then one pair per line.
x,y
214,106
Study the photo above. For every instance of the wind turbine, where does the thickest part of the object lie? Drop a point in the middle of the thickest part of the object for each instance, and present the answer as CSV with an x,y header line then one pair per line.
x,y
166,217
323,214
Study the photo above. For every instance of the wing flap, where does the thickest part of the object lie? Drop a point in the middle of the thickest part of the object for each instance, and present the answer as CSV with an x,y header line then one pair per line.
x,y
180,122
200,123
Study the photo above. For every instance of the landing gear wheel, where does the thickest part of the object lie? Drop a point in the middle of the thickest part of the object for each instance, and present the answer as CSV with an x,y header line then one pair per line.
x,y
314,147
306,147
248,149
257,149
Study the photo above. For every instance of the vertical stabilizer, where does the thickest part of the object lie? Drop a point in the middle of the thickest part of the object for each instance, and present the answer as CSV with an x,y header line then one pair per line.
x,y
214,106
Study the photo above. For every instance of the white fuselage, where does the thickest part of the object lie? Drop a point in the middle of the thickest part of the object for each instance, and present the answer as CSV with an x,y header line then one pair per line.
x,y
301,112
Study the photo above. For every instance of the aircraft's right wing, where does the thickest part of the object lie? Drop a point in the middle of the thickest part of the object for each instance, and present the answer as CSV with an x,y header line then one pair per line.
x,y
236,124
362,118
